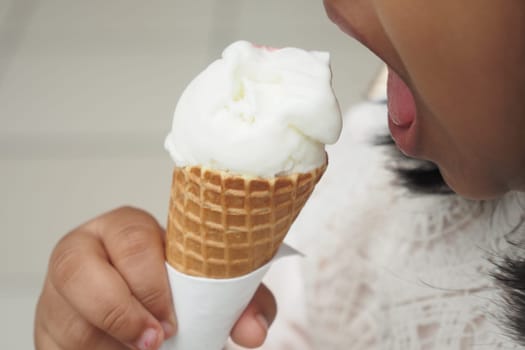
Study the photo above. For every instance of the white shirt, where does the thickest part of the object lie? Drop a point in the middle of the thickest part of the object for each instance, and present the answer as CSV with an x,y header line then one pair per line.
x,y
388,269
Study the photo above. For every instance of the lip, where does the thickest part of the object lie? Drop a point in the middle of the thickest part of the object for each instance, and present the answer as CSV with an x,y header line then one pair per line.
x,y
402,120
342,23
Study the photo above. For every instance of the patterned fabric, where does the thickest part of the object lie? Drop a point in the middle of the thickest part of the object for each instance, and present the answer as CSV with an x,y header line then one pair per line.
x,y
388,269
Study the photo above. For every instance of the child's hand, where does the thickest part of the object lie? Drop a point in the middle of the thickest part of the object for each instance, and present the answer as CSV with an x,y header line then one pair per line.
x,y
107,289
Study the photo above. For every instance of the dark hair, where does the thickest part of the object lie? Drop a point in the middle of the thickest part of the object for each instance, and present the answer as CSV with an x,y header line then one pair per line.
x,y
510,277
509,274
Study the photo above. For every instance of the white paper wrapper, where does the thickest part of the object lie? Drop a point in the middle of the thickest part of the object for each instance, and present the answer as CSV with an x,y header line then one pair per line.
x,y
208,308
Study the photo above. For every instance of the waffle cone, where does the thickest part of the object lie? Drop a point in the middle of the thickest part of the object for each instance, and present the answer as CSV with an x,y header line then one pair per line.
x,y
222,225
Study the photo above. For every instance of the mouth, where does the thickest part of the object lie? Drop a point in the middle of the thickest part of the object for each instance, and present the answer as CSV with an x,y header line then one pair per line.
x,y
401,114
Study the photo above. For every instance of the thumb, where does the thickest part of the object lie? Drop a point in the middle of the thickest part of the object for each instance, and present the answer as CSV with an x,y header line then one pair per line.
x,y
252,327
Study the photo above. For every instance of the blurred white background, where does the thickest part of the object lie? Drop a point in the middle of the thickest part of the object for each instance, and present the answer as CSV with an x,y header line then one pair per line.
x,y
87,91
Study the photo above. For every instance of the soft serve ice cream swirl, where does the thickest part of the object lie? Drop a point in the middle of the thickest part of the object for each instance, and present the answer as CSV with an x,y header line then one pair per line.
x,y
257,111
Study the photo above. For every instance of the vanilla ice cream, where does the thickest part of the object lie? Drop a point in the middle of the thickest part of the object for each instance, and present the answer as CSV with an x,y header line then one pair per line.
x,y
257,111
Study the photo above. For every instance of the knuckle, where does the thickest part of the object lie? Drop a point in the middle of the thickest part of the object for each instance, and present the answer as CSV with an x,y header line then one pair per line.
x,y
136,213
134,241
64,264
116,317
110,222
156,296
78,333
85,338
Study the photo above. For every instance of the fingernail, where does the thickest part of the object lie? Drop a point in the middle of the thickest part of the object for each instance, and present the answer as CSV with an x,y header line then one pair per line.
x,y
263,322
169,329
148,339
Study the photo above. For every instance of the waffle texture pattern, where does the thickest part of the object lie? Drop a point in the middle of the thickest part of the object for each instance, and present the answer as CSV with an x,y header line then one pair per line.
x,y
222,225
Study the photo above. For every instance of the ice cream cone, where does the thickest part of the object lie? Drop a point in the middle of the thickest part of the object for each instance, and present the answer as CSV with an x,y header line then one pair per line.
x,y
222,225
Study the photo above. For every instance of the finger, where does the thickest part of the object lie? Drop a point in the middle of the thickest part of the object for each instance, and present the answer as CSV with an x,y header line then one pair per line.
x,y
66,328
60,321
41,336
134,243
43,341
81,273
251,328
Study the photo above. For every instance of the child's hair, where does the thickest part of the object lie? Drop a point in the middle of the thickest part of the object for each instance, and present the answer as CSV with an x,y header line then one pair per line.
x,y
509,274
423,177
510,277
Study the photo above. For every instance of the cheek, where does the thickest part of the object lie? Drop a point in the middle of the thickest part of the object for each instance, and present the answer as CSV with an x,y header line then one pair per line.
x,y
467,78
448,65
467,75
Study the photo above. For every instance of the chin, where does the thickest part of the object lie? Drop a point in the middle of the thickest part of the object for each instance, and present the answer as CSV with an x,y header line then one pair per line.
x,y
473,187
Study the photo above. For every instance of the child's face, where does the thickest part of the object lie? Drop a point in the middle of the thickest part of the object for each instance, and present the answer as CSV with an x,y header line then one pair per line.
x,y
463,65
